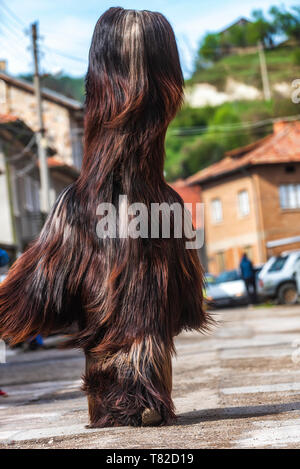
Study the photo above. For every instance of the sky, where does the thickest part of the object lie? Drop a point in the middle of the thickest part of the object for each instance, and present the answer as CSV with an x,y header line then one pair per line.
x,y
66,28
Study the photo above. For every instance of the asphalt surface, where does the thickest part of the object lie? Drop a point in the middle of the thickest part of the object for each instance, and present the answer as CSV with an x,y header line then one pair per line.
x,y
238,387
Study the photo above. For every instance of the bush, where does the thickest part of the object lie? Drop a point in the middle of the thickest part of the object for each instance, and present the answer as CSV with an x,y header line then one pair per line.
x,y
296,57
201,153
231,137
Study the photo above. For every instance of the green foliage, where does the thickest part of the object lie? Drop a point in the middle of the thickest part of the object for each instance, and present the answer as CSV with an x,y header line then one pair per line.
x,y
210,48
201,153
236,36
226,117
218,130
287,22
296,57
193,117
245,68
64,84
260,30
214,46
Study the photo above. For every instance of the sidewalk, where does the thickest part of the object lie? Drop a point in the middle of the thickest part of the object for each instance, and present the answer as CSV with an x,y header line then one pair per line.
x,y
236,388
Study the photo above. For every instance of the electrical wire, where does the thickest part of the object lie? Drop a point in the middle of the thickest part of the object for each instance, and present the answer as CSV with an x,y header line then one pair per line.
x,y
22,172
12,14
232,127
15,29
66,56
26,149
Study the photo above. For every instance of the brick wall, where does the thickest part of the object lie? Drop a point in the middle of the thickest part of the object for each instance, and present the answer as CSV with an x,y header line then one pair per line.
x,y
58,120
234,233
278,223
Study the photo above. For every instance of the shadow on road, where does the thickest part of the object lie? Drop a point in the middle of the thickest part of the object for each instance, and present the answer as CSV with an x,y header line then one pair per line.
x,y
226,413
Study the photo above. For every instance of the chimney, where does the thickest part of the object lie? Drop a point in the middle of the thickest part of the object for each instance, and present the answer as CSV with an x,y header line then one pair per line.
x,y
3,65
279,125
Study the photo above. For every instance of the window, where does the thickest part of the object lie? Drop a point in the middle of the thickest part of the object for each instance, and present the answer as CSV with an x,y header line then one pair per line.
x,y
217,212
221,261
228,276
36,195
77,146
32,199
290,168
278,264
289,196
243,203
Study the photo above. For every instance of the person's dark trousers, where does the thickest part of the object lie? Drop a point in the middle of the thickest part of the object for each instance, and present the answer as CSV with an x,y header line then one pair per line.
x,y
251,289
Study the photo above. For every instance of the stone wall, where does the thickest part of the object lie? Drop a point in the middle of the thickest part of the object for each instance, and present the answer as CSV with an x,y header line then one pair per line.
x,y
58,119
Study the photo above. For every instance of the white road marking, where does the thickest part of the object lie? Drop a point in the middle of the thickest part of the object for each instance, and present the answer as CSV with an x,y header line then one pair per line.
x,y
272,433
279,387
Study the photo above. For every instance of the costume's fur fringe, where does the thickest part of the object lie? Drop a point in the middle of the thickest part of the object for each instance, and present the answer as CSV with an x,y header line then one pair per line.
x,y
129,297
121,386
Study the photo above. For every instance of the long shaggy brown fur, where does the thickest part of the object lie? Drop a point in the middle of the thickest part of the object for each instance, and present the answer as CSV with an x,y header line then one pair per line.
x,y
129,297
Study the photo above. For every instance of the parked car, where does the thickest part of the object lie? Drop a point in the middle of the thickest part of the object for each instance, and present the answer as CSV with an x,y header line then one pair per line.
x,y
277,278
227,289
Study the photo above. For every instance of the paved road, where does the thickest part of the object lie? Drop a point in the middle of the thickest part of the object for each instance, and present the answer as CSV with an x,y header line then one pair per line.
x,y
236,388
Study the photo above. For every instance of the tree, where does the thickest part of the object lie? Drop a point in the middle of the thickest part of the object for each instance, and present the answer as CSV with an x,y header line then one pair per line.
x,y
201,153
64,84
210,48
223,128
287,22
260,30
237,36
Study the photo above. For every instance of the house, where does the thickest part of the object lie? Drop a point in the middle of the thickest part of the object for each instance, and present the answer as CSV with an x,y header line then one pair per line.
x,y
191,195
240,22
21,218
252,199
20,215
226,41
63,122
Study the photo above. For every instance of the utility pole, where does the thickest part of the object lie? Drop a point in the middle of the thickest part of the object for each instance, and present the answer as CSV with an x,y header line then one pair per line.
x,y
264,72
40,134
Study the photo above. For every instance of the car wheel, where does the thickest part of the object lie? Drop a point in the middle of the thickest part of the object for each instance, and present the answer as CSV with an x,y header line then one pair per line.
x,y
287,294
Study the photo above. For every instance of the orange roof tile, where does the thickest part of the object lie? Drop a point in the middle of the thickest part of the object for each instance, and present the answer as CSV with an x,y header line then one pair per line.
x,y
5,118
283,146
54,162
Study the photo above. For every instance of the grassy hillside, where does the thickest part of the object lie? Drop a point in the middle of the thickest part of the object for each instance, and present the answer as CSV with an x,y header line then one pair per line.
x,y
64,84
195,140
199,137
283,65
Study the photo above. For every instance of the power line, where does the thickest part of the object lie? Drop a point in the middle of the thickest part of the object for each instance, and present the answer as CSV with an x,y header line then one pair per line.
x,y
17,40
62,54
12,14
25,150
233,127
27,169
15,28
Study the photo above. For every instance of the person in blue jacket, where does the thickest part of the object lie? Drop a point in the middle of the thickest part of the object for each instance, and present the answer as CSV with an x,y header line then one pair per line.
x,y
4,259
248,275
